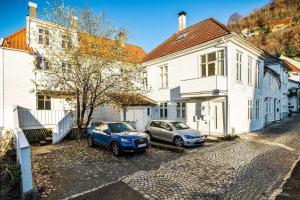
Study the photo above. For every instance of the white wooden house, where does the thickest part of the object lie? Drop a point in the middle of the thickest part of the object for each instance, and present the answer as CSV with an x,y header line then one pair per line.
x,y
215,81
37,108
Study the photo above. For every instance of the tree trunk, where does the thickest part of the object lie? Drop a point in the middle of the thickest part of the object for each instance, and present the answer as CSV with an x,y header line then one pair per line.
x,y
78,110
89,117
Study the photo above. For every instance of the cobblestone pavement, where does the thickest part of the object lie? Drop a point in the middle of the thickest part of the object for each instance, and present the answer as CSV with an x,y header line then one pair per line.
x,y
251,167
71,167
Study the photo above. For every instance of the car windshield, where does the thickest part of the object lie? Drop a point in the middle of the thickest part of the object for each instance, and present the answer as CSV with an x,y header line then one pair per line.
x,y
179,125
120,127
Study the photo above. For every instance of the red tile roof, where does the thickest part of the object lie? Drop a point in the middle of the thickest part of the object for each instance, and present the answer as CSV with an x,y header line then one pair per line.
x,y
204,31
286,21
17,40
293,67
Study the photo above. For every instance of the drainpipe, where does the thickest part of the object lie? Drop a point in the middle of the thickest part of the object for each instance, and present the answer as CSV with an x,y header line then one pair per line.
x,y
227,80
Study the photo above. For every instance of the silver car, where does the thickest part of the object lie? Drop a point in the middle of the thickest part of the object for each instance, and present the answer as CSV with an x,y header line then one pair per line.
x,y
173,131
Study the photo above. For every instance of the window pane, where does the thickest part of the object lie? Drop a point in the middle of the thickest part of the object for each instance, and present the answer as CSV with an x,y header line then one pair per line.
x,y
211,69
41,97
221,67
178,113
183,105
178,105
203,70
183,113
221,54
203,59
166,113
40,105
211,56
47,105
161,113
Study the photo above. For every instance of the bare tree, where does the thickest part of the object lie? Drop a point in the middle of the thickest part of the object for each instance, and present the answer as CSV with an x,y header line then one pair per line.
x,y
88,59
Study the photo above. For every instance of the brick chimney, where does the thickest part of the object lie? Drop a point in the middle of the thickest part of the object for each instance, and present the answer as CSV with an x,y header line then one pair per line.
x,y
181,20
74,22
32,9
122,38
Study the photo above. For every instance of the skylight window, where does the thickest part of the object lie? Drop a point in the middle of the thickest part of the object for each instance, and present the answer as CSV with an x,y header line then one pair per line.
x,y
181,36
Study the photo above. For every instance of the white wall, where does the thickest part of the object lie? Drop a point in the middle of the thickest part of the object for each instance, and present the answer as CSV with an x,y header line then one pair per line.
x,y
17,87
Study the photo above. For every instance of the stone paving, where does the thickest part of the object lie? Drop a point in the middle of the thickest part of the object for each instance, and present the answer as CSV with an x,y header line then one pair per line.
x,y
240,169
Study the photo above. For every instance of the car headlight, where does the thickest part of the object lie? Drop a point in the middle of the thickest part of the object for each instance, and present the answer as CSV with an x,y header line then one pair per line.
x,y
125,140
188,136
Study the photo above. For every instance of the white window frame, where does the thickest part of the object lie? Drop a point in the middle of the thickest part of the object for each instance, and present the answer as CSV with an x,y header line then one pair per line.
x,y
45,99
43,36
239,61
145,79
250,68
163,110
257,74
257,109
181,110
220,57
250,109
163,77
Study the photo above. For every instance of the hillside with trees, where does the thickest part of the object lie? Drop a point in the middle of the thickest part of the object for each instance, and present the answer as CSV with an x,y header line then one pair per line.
x,y
261,22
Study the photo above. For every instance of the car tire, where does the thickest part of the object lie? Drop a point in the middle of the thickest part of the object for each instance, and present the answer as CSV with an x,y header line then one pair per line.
x,y
90,141
149,134
115,149
178,141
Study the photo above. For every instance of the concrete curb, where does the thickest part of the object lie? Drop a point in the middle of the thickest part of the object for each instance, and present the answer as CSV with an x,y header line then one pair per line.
x,y
280,189
167,147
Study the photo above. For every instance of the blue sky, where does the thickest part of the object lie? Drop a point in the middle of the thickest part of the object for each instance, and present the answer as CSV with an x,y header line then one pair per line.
x,y
149,22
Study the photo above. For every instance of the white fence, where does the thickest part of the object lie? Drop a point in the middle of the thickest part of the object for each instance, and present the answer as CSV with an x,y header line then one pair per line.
x,y
63,127
30,119
23,154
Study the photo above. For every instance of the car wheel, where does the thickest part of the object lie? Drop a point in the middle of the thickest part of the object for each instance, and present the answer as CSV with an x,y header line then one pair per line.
x,y
149,134
178,141
90,141
116,149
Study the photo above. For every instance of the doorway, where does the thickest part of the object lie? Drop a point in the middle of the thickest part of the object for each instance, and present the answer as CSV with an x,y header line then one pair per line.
x,y
217,117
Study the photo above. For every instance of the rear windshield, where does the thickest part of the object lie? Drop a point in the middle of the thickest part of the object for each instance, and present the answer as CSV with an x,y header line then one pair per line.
x,y
179,125
120,127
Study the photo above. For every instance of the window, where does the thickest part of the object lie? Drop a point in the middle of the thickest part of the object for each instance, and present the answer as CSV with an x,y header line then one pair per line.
x,y
257,102
257,81
42,63
66,42
163,110
163,75
249,109
43,102
148,111
212,64
43,36
250,70
181,110
239,66
145,80
101,127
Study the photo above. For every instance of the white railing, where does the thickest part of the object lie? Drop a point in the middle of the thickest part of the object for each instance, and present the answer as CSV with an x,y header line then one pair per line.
x,y
29,119
63,127
23,154
210,85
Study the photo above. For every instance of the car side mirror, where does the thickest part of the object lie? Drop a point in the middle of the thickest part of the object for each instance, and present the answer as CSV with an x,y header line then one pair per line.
x,y
107,131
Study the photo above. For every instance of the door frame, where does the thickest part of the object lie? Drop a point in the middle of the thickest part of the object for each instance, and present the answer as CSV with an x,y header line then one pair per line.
x,y
223,104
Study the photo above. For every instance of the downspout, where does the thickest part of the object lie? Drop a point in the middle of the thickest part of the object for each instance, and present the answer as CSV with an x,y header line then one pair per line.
x,y
227,79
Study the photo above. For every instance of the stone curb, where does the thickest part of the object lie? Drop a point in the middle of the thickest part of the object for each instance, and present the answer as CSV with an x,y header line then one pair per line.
x,y
167,147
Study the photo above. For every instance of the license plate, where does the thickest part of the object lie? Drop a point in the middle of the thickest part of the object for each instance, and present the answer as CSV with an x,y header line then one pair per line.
x,y
142,145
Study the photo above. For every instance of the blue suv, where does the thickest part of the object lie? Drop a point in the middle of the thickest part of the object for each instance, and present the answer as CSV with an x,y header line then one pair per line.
x,y
118,136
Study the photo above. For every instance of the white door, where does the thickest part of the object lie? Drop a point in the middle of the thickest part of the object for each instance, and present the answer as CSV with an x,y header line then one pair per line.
x,y
139,116
217,117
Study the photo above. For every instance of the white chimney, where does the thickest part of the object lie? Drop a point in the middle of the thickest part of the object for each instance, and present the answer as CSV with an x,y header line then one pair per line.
x,y
181,20
1,41
32,9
